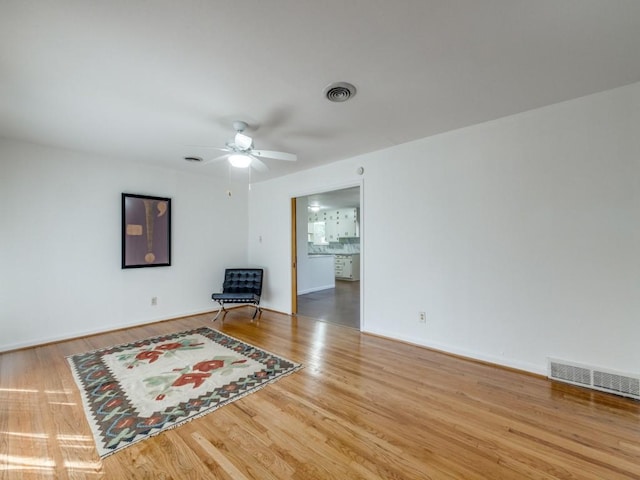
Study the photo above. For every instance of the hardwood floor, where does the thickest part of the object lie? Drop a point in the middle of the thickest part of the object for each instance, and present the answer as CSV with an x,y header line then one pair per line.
x,y
363,407
339,305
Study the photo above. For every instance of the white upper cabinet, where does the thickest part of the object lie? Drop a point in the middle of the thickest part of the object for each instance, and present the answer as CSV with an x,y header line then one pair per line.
x,y
347,224
342,223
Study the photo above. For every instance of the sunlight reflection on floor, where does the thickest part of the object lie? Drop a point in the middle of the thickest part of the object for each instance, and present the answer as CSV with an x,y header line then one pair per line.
x,y
18,466
16,462
18,390
84,466
43,436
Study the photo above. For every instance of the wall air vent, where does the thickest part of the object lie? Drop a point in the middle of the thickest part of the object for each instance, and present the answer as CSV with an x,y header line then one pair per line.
x,y
595,378
570,373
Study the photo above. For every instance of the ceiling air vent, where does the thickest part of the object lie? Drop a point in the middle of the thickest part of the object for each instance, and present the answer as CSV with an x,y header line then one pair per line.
x,y
339,92
193,159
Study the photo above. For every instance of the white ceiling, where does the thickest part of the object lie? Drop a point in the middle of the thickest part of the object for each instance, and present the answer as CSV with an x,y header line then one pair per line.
x,y
343,198
140,80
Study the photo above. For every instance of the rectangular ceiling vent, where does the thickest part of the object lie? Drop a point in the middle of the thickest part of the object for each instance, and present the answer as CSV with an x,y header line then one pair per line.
x,y
595,378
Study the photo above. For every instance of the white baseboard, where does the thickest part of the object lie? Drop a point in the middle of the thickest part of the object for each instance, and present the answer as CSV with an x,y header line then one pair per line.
x,y
104,329
316,289
461,352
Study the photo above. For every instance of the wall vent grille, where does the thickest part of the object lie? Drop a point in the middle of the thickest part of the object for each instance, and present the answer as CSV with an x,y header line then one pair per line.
x,y
595,378
571,373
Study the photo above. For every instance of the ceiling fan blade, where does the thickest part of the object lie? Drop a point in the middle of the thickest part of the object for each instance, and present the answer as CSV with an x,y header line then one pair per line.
x,y
224,149
258,164
290,157
221,157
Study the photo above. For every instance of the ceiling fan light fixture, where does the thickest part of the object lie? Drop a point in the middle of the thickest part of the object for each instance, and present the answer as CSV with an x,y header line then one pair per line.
x,y
239,160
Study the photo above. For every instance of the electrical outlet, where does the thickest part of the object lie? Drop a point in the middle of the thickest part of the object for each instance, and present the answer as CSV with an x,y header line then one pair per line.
x,y
422,317
154,300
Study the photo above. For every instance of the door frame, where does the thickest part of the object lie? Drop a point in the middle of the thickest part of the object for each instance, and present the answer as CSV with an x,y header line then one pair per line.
x,y
294,257
294,250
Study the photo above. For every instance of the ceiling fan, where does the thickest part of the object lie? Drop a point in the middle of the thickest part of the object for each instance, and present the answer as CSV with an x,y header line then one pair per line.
x,y
241,154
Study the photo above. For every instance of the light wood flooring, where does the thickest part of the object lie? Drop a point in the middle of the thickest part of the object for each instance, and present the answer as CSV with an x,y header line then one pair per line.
x,y
363,407
339,305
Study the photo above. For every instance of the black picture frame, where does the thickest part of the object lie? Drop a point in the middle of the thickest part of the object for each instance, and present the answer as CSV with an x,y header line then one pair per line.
x,y
146,231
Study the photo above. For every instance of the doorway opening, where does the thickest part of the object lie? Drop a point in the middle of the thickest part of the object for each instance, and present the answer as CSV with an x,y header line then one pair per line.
x,y
327,256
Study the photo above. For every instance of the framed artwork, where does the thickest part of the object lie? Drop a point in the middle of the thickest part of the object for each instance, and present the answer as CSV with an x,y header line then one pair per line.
x,y
146,231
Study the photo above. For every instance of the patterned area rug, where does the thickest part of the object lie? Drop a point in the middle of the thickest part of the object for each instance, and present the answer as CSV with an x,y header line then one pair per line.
x,y
131,392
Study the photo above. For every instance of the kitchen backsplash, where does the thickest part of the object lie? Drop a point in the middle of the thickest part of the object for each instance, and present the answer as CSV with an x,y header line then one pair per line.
x,y
345,245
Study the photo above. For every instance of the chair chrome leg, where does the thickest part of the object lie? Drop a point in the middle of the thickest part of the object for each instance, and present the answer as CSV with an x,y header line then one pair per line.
x,y
220,310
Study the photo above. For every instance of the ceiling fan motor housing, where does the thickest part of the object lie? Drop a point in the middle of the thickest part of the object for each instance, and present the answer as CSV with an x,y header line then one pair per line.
x,y
240,126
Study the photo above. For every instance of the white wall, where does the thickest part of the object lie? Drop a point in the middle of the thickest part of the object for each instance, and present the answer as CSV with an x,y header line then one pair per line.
x,y
520,237
60,244
316,272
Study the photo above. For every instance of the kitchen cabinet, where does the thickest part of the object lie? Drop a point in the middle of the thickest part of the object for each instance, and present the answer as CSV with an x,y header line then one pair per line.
x,y
342,223
317,217
347,267
347,225
331,231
